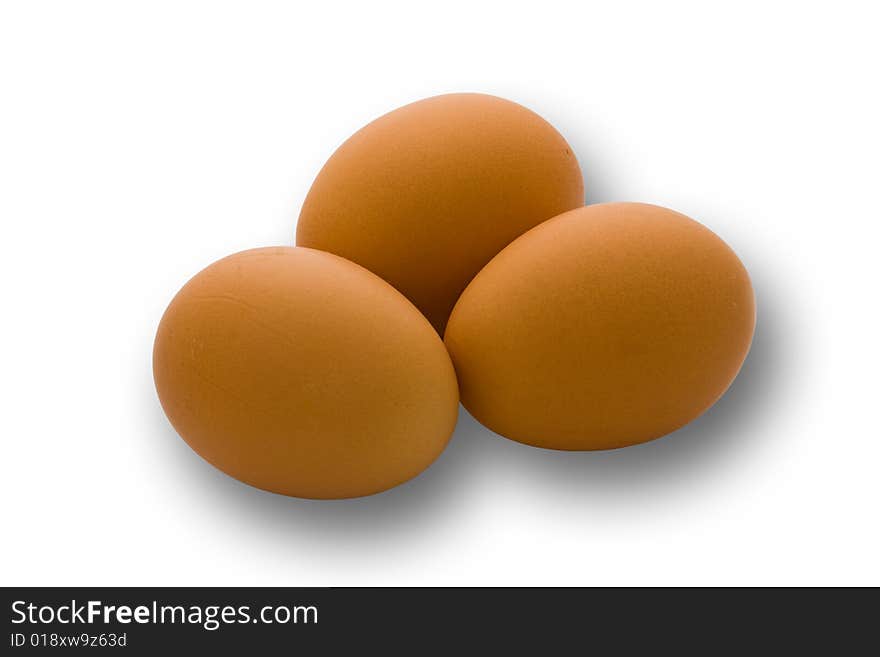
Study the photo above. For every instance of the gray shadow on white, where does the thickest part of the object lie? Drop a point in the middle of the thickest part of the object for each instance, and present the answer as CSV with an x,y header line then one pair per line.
x,y
690,458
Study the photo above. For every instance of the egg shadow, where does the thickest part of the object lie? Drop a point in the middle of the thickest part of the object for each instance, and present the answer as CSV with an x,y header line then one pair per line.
x,y
435,494
586,139
720,439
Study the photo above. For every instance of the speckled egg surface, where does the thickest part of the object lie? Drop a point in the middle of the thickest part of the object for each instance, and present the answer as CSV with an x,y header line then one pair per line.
x,y
426,195
301,373
606,326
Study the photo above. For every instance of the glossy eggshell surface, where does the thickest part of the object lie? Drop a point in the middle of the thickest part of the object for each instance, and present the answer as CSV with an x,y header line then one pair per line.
x,y
304,374
607,326
427,194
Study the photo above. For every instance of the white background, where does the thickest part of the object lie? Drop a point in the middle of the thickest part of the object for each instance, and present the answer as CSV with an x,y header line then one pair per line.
x,y
140,141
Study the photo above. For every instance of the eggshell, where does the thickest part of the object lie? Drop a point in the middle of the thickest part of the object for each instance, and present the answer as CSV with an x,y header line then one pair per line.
x,y
299,372
607,326
428,194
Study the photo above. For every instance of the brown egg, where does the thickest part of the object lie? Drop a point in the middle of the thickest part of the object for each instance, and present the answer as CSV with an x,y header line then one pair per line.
x,y
606,326
428,194
304,374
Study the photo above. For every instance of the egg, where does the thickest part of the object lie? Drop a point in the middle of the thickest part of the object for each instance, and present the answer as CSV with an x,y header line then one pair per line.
x,y
606,326
301,373
426,195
